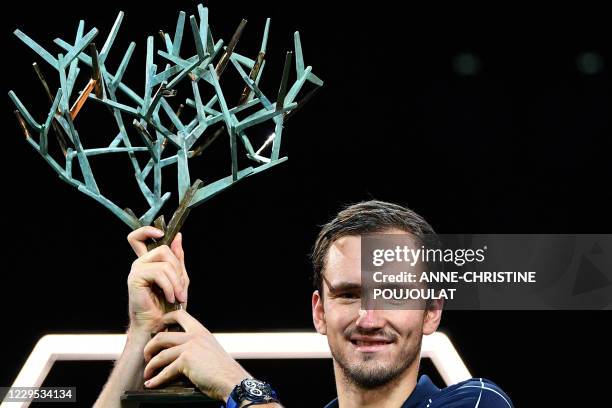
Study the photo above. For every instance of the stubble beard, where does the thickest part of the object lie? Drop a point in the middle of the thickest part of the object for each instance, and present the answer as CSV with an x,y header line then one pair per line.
x,y
369,373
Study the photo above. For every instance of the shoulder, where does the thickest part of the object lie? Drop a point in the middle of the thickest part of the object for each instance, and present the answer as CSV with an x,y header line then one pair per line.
x,y
475,392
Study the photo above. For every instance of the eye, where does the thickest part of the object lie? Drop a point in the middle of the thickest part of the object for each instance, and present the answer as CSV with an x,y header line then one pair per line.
x,y
349,295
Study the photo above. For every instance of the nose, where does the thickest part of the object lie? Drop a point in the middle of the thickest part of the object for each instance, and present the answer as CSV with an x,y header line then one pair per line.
x,y
370,319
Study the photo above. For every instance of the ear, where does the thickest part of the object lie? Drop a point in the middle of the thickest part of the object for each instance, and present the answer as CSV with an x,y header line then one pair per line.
x,y
433,315
318,313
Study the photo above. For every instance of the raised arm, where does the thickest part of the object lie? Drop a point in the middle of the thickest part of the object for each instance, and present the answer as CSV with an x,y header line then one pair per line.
x,y
163,268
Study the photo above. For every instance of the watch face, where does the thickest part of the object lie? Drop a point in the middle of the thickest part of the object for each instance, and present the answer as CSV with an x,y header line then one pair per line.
x,y
256,390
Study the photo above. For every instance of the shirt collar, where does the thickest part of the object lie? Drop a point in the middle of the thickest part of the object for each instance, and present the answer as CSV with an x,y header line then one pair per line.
x,y
424,389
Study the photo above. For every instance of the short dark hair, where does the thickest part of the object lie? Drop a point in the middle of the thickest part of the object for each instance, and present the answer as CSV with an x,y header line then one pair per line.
x,y
366,217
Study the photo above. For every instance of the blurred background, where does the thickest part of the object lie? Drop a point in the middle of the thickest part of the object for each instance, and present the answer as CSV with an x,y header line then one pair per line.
x,y
483,120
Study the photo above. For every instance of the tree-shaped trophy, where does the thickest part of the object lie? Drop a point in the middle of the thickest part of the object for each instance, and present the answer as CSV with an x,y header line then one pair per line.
x,y
152,132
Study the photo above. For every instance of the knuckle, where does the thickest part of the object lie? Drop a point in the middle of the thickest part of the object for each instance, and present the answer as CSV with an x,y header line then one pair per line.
x,y
158,358
186,355
162,354
165,250
160,274
155,340
164,267
169,268
152,366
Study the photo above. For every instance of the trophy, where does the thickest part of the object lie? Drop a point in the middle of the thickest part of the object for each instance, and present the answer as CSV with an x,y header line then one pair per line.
x,y
154,133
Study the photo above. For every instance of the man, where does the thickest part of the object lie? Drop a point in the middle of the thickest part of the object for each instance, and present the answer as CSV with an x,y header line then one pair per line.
x,y
375,352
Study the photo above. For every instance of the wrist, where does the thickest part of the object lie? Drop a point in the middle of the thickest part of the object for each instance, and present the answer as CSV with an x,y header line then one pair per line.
x,y
144,324
138,336
232,381
252,392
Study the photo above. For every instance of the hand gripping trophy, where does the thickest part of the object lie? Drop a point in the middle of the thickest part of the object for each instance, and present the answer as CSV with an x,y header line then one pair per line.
x,y
152,132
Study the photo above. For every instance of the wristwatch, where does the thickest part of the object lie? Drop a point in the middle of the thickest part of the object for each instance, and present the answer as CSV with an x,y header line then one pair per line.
x,y
253,391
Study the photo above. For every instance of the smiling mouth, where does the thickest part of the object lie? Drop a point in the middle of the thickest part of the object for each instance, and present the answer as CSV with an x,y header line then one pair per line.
x,y
370,346
370,343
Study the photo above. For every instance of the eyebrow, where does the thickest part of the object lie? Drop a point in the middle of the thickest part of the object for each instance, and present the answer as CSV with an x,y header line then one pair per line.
x,y
341,286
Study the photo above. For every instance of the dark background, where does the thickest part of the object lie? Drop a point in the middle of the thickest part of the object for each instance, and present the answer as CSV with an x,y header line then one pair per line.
x,y
493,120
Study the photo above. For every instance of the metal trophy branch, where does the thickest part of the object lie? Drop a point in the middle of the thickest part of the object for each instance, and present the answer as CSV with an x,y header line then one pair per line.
x,y
157,130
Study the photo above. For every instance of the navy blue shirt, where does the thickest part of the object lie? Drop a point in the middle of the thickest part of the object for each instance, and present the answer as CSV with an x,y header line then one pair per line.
x,y
472,393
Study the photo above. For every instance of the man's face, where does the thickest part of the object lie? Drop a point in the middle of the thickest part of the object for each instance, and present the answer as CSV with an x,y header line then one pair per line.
x,y
371,347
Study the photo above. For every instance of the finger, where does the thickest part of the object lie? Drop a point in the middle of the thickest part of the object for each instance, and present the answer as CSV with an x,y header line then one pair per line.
x,y
162,254
177,249
152,273
138,237
168,270
164,340
162,359
168,373
186,291
177,283
185,320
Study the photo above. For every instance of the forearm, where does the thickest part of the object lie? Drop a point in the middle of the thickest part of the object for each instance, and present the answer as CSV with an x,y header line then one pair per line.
x,y
127,373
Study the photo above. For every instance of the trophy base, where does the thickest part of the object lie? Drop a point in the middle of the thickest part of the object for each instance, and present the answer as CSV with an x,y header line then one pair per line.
x,y
169,395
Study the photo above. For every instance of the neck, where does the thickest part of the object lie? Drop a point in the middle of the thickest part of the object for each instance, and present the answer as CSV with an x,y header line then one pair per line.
x,y
390,395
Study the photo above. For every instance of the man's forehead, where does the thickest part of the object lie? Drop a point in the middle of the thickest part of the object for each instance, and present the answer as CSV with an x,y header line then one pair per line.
x,y
345,249
344,257
349,247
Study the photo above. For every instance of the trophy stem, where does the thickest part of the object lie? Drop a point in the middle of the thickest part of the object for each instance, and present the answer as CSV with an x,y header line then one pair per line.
x,y
177,220
181,390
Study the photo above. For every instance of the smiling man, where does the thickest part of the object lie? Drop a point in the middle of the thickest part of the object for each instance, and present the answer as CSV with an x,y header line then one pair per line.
x,y
376,353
